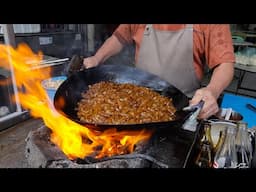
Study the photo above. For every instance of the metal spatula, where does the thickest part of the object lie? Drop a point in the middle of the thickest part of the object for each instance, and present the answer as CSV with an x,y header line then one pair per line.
x,y
191,123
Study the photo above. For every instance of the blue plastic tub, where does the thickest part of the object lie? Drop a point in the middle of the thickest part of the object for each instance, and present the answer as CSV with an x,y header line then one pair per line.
x,y
52,84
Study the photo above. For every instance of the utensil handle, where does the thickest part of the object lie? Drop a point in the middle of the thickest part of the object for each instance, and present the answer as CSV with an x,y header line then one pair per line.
x,y
55,61
194,107
251,107
228,113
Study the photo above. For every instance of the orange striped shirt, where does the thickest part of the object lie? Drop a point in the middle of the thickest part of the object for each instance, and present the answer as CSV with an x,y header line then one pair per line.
x,y
212,43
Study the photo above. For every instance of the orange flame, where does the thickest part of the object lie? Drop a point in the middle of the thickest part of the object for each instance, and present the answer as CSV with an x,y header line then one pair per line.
x,y
74,140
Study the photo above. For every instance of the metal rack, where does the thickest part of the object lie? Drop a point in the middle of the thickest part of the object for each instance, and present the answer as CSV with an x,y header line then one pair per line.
x,y
17,114
58,43
243,68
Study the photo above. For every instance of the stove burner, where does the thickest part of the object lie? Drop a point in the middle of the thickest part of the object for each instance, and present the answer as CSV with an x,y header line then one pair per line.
x,y
164,150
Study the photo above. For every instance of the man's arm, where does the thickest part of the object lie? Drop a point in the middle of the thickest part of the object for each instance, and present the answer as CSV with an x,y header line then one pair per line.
x,y
221,78
109,48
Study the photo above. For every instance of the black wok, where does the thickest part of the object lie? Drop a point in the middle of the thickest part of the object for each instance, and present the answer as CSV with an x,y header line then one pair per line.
x,y
69,93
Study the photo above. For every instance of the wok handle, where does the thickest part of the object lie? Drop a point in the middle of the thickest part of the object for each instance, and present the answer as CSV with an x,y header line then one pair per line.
x,y
75,65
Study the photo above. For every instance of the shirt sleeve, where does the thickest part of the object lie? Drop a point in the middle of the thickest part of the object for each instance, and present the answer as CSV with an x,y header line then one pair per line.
x,y
218,45
124,33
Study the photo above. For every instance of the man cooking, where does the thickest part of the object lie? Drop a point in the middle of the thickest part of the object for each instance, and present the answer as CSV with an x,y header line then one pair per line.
x,y
178,53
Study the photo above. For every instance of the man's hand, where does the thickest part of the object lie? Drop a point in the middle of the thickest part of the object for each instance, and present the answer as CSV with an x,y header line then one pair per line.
x,y
90,62
210,106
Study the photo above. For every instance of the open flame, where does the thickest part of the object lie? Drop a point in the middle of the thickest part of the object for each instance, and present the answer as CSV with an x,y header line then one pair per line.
x,y
74,140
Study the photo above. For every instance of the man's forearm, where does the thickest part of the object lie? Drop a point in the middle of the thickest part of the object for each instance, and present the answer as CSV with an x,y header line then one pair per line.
x,y
221,78
109,48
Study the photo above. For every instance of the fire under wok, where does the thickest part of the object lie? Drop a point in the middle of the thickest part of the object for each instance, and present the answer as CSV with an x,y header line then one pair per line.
x,y
70,93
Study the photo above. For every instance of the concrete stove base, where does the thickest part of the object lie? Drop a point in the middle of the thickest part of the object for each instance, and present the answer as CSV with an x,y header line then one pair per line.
x,y
42,153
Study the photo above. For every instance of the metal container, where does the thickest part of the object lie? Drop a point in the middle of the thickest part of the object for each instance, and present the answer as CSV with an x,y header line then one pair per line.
x,y
228,114
52,84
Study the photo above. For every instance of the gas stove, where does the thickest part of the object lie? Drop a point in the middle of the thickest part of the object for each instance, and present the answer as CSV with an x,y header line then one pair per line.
x,y
170,147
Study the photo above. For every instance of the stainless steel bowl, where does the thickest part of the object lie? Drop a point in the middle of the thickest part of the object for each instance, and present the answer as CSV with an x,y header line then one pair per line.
x,y
229,115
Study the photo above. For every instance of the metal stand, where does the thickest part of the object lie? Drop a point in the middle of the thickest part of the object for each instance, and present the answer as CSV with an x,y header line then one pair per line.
x,y
242,70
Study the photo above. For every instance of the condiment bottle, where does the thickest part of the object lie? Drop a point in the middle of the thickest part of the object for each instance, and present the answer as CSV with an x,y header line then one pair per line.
x,y
205,158
243,145
226,156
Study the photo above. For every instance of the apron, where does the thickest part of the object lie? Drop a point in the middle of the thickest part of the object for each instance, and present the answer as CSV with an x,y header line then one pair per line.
x,y
169,55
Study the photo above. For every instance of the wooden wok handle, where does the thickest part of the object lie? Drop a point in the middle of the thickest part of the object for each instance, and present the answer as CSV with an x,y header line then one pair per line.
x,y
75,65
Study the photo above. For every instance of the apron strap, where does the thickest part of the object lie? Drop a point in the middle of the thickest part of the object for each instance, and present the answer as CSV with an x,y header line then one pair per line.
x,y
148,29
